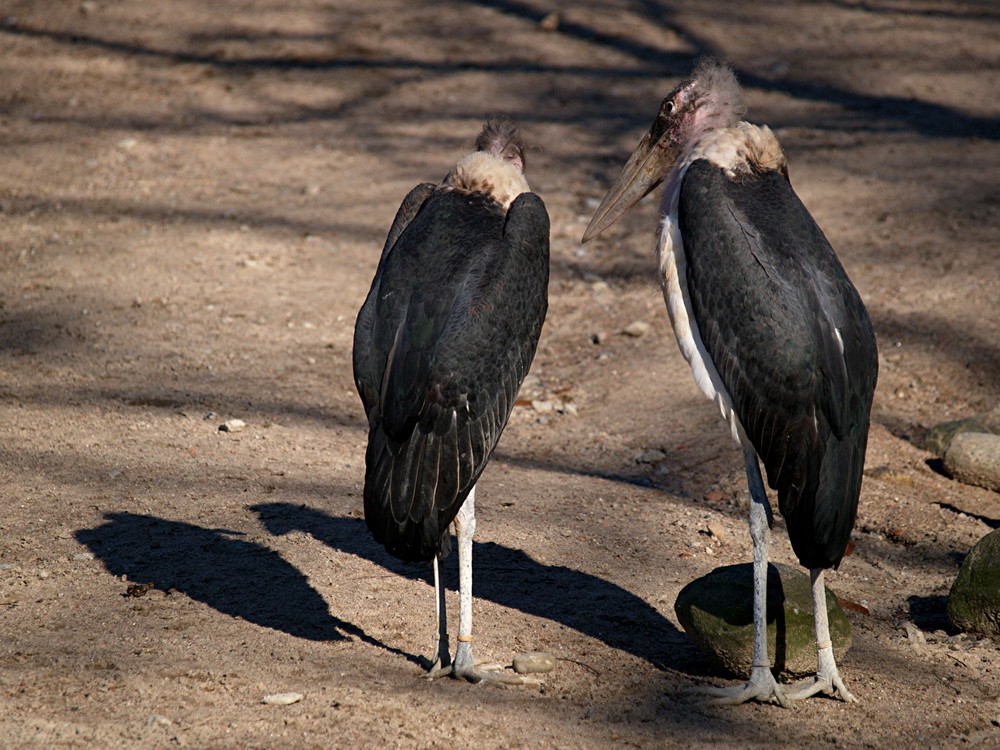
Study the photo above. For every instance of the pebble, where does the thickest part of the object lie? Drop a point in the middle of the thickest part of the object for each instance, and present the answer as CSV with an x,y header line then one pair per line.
x,y
543,407
282,699
550,22
637,329
232,425
534,662
717,531
650,457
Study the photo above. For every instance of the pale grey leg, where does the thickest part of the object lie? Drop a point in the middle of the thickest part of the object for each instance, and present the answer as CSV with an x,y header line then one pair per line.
x,y
761,686
827,679
464,664
465,528
442,664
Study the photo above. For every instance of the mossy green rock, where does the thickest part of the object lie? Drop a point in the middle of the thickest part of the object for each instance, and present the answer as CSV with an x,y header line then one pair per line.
x,y
716,611
974,601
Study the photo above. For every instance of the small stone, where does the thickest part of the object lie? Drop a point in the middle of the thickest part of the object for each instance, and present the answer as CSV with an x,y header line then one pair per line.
x,y
83,556
232,425
600,287
974,458
549,22
637,329
598,337
534,662
650,457
717,531
914,636
282,699
543,407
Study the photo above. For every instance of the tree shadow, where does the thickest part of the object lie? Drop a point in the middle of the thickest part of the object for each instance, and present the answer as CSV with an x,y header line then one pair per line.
x,y
234,576
927,118
583,602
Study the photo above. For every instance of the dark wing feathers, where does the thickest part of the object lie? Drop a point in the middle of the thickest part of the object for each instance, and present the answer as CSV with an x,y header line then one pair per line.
x,y
365,364
770,298
446,338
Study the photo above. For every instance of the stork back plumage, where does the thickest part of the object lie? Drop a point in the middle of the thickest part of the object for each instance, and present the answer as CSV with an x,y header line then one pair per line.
x,y
442,344
791,341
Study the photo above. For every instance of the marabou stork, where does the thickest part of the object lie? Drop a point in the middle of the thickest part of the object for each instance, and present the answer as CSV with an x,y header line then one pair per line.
x,y
441,347
773,330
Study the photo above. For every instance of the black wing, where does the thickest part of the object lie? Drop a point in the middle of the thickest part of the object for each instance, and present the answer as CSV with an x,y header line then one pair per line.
x,y
444,341
367,370
792,342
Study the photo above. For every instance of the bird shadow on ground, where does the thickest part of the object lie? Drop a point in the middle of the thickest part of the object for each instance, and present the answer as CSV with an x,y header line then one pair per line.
x,y
237,577
583,602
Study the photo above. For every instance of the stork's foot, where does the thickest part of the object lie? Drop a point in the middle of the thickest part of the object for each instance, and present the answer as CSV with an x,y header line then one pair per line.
x,y
761,687
466,668
436,670
811,686
826,682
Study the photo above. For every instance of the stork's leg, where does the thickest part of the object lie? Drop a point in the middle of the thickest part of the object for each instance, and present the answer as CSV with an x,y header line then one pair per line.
x,y
464,664
761,686
442,662
827,679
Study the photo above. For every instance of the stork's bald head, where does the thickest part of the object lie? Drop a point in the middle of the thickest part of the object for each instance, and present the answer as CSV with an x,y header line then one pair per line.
x,y
500,138
709,100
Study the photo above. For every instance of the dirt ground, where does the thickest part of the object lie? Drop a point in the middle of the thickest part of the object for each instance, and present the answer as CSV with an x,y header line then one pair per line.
x,y
193,198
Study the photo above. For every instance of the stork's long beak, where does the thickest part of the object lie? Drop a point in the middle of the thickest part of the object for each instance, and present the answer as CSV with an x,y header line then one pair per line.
x,y
646,168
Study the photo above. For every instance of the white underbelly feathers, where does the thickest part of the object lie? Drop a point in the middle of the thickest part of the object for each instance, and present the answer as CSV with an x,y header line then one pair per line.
x,y
673,275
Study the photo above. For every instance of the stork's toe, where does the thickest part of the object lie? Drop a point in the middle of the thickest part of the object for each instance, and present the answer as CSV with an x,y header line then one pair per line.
x,y
761,687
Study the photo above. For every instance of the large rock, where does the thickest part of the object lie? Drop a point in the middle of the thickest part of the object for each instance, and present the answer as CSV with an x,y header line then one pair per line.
x,y
974,458
939,437
974,601
716,611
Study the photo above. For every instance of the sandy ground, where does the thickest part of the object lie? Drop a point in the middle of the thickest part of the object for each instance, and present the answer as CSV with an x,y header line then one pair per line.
x,y
193,197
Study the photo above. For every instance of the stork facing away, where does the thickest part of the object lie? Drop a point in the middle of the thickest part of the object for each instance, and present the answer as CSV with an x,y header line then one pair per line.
x,y
441,347
774,332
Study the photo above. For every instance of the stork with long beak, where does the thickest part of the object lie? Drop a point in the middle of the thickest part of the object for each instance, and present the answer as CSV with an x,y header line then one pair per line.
x,y
774,332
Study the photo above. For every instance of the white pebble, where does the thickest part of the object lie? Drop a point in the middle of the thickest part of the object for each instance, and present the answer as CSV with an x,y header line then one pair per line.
x,y
232,425
282,699
650,457
636,329
543,407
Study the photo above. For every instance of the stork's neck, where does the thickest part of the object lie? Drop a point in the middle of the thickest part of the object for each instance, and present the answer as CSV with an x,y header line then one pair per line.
x,y
484,173
743,149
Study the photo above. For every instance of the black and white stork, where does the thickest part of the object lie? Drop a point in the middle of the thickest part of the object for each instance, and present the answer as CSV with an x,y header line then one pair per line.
x,y
441,347
773,330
